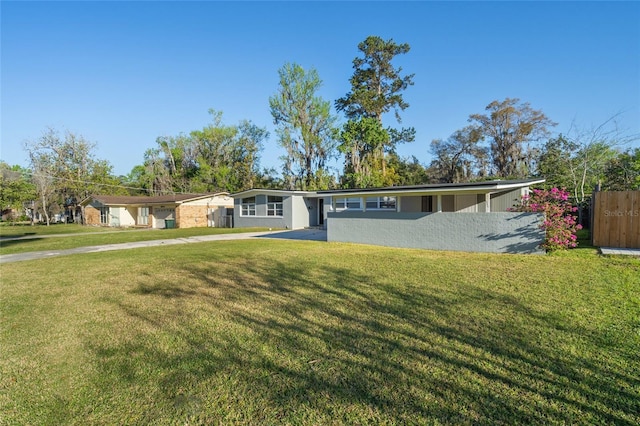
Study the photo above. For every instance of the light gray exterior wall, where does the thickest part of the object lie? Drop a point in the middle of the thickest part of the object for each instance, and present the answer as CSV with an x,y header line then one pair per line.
x,y
260,220
311,204
300,212
505,232
505,200
295,215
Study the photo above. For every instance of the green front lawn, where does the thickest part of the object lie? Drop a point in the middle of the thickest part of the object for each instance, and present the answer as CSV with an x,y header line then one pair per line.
x,y
77,238
8,229
297,332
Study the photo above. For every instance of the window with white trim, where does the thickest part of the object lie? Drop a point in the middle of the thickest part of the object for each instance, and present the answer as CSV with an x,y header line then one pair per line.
x,y
381,203
274,205
143,215
248,206
104,215
348,203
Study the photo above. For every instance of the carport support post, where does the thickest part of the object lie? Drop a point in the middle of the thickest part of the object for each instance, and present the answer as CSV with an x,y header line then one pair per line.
x,y
439,203
487,203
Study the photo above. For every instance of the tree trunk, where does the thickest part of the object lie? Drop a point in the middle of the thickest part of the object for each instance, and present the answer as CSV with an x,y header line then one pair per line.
x,y
83,215
44,208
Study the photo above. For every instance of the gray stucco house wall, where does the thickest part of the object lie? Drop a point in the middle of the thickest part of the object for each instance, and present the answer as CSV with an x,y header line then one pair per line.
x,y
475,232
296,211
460,217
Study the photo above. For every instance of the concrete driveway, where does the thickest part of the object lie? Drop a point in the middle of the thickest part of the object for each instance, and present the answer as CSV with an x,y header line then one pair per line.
x,y
301,234
298,234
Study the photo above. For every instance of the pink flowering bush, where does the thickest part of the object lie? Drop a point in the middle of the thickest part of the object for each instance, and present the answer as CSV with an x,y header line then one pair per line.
x,y
559,224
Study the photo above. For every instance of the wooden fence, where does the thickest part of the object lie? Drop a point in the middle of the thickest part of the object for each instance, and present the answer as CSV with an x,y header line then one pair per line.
x,y
616,219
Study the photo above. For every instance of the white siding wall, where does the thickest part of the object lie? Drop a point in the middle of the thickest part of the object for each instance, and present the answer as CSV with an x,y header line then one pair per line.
x,y
114,216
120,216
222,200
126,218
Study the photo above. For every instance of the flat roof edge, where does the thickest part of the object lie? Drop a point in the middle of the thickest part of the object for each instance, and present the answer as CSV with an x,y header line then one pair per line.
x,y
435,187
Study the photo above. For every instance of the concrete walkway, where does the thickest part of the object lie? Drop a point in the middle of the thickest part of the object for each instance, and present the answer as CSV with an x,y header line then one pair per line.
x,y
620,251
302,234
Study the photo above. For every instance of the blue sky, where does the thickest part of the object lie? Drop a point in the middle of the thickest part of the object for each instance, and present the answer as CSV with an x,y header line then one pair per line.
x,y
124,73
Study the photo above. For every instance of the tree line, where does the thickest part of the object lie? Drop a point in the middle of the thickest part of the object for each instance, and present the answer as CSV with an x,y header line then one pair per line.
x,y
509,140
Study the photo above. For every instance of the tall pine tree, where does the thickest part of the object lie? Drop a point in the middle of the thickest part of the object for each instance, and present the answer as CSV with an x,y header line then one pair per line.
x,y
376,89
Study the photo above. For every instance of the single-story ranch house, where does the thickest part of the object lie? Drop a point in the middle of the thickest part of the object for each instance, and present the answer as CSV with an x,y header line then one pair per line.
x,y
460,217
166,211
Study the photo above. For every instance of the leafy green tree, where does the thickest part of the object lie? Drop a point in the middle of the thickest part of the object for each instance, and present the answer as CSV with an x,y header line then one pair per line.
x,y
513,129
181,159
245,158
376,89
585,159
555,163
306,127
460,158
581,159
376,86
43,177
594,149
16,188
622,173
217,157
409,170
577,167
229,154
215,145
362,142
588,167
134,182
154,177
269,178
68,163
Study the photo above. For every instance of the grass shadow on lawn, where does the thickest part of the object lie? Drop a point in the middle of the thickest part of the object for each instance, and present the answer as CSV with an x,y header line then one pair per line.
x,y
13,241
273,341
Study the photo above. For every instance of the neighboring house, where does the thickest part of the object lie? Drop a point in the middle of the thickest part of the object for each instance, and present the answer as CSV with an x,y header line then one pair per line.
x,y
272,208
9,214
166,211
460,217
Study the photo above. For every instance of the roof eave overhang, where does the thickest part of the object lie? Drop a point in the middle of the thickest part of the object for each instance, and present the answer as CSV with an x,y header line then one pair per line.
x,y
277,192
486,187
498,186
151,202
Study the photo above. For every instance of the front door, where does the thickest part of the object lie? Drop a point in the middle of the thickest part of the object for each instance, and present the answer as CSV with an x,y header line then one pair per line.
x,y
320,212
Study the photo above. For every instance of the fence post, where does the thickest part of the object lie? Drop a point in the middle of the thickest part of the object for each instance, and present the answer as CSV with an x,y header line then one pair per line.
x,y
592,223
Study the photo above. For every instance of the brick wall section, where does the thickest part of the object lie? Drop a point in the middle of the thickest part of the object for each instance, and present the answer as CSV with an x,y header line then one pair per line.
x,y
473,232
92,215
191,216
